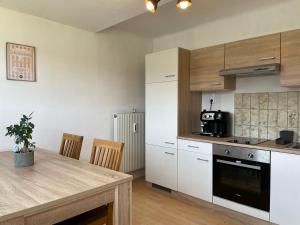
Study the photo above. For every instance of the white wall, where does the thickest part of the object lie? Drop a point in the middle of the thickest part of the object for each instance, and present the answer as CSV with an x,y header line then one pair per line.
x,y
261,21
82,79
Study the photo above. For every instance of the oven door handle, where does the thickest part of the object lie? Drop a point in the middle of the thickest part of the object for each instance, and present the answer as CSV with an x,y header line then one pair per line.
x,y
239,164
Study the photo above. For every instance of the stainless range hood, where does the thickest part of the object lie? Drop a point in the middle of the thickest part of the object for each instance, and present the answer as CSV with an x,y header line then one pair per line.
x,y
260,70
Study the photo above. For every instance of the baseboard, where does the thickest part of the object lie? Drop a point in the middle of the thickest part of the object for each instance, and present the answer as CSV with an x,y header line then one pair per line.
x,y
161,188
191,200
242,208
137,173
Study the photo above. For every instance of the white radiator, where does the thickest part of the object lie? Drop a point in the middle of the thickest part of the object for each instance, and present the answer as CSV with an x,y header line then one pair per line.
x,y
130,129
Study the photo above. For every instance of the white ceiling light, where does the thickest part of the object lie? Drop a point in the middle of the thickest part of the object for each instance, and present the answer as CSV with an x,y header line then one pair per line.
x,y
184,4
151,5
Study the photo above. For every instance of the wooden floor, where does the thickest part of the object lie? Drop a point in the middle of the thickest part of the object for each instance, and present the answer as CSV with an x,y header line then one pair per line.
x,y
156,207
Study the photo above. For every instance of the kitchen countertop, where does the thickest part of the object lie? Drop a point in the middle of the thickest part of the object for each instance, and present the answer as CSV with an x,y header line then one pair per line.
x,y
269,145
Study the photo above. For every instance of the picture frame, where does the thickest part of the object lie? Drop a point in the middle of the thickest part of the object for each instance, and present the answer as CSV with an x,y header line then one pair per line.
x,y
20,62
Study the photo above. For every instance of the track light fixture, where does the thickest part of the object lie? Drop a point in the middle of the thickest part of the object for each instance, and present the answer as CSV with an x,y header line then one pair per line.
x,y
151,5
184,4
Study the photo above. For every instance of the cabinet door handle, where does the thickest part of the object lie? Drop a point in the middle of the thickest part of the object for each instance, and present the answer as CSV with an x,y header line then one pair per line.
x,y
169,76
239,164
217,84
203,160
169,153
134,127
267,58
191,146
169,143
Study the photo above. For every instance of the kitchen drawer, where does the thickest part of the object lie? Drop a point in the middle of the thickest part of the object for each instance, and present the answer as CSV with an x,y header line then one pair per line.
x,y
195,146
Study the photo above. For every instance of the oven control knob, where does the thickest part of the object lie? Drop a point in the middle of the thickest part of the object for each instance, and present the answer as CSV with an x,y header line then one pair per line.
x,y
227,152
251,156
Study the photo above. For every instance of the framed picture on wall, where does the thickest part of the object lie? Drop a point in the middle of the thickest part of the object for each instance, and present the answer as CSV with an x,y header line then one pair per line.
x,y
20,62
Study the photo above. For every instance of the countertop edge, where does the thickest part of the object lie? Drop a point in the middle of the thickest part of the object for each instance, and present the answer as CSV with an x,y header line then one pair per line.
x,y
268,146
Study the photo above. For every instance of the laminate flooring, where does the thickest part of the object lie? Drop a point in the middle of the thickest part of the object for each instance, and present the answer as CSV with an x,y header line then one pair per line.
x,y
156,207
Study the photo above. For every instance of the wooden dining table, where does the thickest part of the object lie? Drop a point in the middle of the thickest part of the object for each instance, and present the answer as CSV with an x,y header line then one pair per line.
x,y
57,188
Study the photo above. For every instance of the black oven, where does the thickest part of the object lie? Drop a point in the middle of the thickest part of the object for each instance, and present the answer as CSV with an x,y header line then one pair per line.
x,y
242,175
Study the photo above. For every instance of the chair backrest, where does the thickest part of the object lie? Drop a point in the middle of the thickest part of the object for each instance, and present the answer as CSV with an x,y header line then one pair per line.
x,y
107,154
71,145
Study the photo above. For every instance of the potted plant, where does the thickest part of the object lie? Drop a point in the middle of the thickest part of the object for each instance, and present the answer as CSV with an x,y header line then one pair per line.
x,y
23,148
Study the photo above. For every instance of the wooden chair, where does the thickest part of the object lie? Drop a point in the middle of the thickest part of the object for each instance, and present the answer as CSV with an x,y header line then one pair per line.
x,y
107,154
71,145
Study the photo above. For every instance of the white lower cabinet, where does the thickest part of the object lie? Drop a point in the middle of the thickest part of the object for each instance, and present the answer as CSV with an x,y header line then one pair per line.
x,y
285,189
161,166
195,169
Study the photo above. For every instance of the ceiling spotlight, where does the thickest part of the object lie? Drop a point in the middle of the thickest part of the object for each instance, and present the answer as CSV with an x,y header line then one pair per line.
x,y
151,5
184,4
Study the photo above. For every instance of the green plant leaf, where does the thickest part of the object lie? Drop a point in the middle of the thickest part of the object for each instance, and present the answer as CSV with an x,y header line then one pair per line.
x,y
22,132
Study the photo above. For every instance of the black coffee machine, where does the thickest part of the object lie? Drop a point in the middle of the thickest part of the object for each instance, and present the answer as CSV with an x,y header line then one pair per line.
x,y
215,123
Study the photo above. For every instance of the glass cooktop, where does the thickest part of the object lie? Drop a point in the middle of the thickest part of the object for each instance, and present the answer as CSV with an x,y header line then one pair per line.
x,y
247,141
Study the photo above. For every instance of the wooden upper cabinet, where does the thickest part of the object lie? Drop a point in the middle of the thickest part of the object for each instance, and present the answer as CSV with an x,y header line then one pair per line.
x,y
290,58
205,66
252,52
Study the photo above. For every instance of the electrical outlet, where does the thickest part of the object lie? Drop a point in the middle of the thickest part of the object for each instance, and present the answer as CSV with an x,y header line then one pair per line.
x,y
212,98
211,101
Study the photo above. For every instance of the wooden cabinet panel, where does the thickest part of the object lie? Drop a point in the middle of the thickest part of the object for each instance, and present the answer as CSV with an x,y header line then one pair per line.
x,y
252,52
189,103
205,66
290,58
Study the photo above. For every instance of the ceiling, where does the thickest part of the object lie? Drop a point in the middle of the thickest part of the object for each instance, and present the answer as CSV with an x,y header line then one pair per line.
x,y
131,15
91,15
169,19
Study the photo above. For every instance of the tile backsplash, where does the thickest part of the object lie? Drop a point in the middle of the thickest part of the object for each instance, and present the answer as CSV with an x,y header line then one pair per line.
x,y
263,115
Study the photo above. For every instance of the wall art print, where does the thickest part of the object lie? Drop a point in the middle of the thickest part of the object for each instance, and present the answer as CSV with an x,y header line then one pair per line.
x,y
20,62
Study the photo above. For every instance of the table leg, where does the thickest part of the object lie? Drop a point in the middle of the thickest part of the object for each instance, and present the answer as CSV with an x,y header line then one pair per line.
x,y
17,221
123,204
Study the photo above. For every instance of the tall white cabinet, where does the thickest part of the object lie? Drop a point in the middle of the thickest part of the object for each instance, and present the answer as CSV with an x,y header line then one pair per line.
x,y
285,189
162,117
161,114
